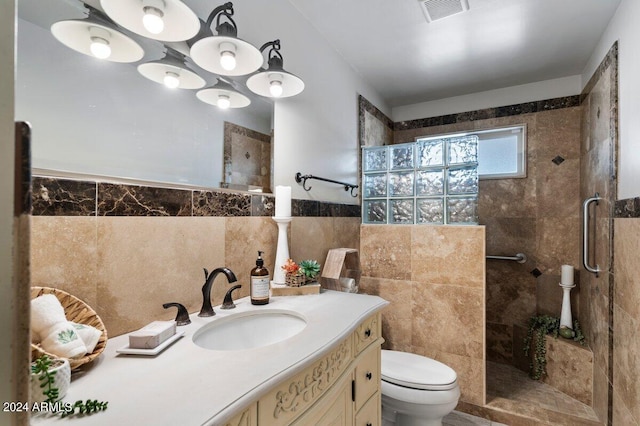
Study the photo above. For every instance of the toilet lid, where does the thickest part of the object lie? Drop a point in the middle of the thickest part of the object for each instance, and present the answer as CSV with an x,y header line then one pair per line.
x,y
415,371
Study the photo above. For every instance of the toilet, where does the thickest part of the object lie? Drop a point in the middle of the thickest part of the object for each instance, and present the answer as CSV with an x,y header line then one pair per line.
x,y
416,390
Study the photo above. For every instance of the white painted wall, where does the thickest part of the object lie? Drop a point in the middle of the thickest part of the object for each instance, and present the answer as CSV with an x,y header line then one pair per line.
x,y
538,91
316,132
7,310
624,28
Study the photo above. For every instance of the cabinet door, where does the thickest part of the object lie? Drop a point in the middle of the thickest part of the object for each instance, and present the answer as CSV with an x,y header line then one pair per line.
x,y
370,413
367,375
334,409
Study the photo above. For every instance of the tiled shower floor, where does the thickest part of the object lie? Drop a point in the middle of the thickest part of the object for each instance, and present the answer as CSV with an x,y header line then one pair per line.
x,y
510,389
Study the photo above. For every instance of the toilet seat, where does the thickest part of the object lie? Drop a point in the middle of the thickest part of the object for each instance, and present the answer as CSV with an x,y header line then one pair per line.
x,y
416,372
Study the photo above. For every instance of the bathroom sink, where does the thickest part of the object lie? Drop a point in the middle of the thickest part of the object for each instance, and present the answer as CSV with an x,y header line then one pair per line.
x,y
249,330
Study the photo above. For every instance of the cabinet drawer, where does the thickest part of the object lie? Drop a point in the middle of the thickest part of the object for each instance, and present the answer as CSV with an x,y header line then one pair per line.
x,y
370,413
366,333
367,376
291,398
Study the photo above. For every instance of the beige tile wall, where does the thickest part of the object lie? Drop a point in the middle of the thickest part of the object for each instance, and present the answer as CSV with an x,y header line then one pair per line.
x,y
434,279
626,322
127,267
538,215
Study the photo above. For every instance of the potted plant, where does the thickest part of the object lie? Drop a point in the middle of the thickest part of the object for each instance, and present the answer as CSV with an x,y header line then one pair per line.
x,y
539,327
293,276
310,269
50,380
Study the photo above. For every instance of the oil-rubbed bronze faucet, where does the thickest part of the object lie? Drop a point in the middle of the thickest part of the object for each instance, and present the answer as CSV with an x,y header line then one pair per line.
x,y
207,309
182,318
228,299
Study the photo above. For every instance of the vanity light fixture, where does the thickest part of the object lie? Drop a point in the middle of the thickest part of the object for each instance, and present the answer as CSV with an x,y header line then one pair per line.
x,y
225,53
275,82
223,95
97,36
172,71
165,20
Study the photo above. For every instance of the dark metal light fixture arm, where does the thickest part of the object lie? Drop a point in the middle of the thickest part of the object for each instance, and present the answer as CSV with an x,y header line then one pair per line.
x,y
300,178
225,9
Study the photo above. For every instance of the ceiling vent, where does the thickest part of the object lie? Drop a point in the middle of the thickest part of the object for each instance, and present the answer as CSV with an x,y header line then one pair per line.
x,y
438,9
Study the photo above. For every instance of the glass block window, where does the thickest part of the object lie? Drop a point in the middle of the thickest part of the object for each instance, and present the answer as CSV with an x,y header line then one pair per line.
x,y
433,181
500,153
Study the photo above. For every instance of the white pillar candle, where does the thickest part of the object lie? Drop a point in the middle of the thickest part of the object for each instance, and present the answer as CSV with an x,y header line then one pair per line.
x,y
283,201
567,275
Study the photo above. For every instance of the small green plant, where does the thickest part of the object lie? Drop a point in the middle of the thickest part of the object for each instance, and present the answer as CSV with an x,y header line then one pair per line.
x,y
42,367
310,268
539,327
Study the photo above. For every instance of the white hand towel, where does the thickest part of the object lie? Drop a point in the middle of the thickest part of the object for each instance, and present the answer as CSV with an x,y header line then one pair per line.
x,y
89,335
46,311
63,341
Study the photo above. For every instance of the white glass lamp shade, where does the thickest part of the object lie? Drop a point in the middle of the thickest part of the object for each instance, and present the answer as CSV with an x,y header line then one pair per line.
x,y
207,53
179,21
213,94
77,34
157,71
286,83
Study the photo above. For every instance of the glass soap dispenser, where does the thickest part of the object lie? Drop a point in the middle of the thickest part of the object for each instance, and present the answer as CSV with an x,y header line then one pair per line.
x,y
259,287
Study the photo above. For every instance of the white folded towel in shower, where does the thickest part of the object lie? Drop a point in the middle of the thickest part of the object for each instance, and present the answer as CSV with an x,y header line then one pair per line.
x,y
63,341
46,311
89,335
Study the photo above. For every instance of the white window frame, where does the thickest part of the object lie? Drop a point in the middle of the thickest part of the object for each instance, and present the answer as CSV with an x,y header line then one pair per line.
x,y
521,152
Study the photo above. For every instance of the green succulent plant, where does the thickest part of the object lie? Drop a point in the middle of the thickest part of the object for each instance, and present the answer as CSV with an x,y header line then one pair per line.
x,y
310,268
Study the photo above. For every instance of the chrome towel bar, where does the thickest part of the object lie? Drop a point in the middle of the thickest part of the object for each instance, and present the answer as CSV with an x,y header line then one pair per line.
x,y
585,233
519,257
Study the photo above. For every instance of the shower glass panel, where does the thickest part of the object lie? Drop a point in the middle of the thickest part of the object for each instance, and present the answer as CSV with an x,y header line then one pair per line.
x,y
427,182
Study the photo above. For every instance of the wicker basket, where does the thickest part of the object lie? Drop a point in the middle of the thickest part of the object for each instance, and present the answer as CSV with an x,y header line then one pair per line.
x,y
79,312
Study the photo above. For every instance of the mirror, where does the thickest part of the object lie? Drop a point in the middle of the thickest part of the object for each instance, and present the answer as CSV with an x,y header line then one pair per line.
x,y
94,118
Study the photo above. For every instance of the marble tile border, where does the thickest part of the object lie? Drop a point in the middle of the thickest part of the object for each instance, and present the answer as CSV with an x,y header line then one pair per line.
x,y
629,208
22,181
483,114
67,197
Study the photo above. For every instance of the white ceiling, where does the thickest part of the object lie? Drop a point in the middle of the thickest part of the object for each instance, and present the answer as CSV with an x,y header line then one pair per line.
x,y
495,44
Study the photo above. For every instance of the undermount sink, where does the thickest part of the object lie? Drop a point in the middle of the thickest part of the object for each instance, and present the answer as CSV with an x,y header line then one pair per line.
x,y
249,330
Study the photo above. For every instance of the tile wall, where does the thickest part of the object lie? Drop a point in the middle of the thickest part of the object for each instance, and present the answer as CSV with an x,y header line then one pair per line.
x,y
130,249
435,309
538,215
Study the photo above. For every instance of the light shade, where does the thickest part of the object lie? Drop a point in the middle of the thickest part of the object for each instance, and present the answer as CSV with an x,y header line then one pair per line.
x,y
180,22
225,53
77,34
275,82
206,53
261,83
221,90
172,63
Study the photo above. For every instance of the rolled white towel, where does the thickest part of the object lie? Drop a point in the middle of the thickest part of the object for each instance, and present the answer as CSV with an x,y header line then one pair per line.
x,y
63,341
46,311
89,335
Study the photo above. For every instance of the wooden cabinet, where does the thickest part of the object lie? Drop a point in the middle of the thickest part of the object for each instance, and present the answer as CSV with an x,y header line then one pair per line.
x,y
342,388
248,417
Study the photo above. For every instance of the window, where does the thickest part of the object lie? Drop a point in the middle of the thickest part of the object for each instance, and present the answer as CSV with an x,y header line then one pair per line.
x,y
501,151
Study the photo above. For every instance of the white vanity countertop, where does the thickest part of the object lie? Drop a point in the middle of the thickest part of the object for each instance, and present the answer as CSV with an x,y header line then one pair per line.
x,y
188,385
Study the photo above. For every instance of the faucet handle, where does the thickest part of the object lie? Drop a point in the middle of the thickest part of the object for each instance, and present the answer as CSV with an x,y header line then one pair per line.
x,y
183,316
228,301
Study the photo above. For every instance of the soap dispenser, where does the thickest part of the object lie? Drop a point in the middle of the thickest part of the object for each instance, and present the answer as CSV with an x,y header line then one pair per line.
x,y
259,288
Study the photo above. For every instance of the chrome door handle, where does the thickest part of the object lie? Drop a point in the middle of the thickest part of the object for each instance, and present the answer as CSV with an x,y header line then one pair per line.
x,y
585,233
